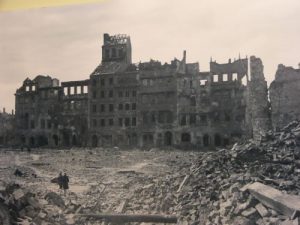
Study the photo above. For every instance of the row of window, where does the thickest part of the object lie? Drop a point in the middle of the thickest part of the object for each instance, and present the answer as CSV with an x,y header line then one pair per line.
x,y
127,122
110,94
44,124
110,107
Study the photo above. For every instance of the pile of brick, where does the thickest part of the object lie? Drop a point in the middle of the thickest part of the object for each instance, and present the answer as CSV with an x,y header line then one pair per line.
x,y
214,189
21,206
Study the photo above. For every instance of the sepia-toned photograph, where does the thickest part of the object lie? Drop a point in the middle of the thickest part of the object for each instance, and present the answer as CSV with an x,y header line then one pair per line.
x,y
136,112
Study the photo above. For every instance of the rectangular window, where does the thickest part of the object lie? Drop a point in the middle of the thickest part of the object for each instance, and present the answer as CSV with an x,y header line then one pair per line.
x,y
120,94
133,106
27,88
72,90
111,81
102,108
234,76
127,122
133,93
183,120
42,123
120,122
225,77
94,109
66,90
127,94
111,122
94,123
78,90
111,93
127,106
102,94
102,122
133,122
85,89
111,107
215,78
192,119
103,82
94,94
49,124
32,125
120,106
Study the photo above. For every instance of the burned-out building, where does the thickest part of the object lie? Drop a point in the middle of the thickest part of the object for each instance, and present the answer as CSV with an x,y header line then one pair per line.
x,y
145,104
7,128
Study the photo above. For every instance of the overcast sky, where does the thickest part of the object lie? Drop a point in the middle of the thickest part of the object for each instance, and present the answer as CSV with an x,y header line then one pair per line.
x,y
65,42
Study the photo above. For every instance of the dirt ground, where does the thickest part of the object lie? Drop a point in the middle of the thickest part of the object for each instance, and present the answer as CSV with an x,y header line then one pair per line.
x,y
100,179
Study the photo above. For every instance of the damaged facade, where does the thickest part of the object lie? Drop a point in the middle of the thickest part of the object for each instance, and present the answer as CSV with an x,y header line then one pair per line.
x,y
7,128
146,104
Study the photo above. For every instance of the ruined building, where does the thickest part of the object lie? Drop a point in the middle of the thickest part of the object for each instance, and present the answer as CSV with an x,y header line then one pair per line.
x,y
7,131
149,104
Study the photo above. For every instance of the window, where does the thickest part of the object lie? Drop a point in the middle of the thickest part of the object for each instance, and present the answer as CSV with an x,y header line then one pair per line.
x,y
102,94
49,124
94,109
85,89
66,91
102,108
111,93
203,119
193,101
120,106
133,106
215,78
234,76
127,122
102,122
133,93
133,122
111,107
27,88
127,106
183,120
103,82
120,122
33,88
225,77
114,52
111,81
94,82
203,82
78,90
94,94
106,53
192,119
127,94
42,124
94,123
120,94
32,125
111,122
72,90
191,84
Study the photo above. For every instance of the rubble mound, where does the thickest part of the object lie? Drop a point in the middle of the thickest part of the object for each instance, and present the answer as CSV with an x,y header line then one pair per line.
x,y
214,189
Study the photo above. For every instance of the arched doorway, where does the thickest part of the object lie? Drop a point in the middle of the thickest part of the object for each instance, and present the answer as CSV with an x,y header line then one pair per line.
x,y
42,140
168,138
94,141
55,139
218,140
32,141
185,138
74,140
206,140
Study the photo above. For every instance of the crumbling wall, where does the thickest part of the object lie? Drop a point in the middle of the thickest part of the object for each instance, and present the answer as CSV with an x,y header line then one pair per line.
x,y
258,104
284,96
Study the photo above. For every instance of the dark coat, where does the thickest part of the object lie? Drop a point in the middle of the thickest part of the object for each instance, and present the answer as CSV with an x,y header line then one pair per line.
x,y
65,182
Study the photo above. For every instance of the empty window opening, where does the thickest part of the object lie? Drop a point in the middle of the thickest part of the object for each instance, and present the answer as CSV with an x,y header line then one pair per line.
x,y
225,77
33,87
133,121
102,94
192,119
183,120
120,94
94,123
94,94
102,108
66,91
72,90
215,78
102,122
120,122
120,106
27,88
203,82
111,122
127,107
111,107
85,89
244,81
78,90
127,122
111,94
234,76
133,106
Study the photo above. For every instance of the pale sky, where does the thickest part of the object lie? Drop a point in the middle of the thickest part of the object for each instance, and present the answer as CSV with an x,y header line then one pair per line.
x,y
65,42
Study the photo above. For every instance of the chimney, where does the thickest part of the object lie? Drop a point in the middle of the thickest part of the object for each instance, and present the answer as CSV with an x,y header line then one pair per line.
x,y
184,55
12,112
3,109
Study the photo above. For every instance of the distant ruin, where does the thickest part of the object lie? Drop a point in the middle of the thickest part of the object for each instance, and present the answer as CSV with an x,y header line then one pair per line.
x,y
151,104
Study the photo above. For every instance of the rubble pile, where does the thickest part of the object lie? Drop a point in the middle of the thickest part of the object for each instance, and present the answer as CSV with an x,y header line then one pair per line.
x,y
213,190
21,206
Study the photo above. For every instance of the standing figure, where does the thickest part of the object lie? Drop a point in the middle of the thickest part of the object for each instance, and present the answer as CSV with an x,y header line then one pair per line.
x,y
60,181
65,183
